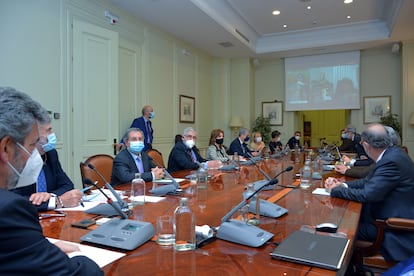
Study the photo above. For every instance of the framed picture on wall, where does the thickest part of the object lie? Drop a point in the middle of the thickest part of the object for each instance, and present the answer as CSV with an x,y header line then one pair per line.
x,y
273,111
187,109
375,108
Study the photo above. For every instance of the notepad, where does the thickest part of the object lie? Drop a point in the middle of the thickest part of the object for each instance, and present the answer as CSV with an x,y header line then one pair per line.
x,y
100,256
312,249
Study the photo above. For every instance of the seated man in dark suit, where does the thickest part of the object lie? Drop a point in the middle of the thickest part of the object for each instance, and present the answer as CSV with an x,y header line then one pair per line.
x,y
387,191
134,160
239,145
24,250
294,141
362,157
186,156
362,171
347,144
53,188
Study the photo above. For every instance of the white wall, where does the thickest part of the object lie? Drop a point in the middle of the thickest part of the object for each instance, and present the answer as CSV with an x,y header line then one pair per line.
x,y
35,57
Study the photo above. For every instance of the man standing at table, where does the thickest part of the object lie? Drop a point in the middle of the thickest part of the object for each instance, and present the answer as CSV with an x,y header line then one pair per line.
x,y
23,248
134,160
144,124
387,191
53,188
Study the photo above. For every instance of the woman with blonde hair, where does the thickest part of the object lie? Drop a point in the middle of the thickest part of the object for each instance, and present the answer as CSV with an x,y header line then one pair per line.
x,y
257,145
216,150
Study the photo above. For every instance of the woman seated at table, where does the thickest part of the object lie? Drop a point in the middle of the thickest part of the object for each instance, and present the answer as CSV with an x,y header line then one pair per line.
x,y
216,150
257,145
275,145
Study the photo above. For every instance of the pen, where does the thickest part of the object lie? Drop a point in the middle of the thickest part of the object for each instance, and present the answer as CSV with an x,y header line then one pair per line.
x,y
43,216
81,203
86,189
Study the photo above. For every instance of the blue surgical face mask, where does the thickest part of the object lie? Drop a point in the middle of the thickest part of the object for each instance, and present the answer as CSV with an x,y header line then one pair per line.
x,y
152,114
51,142
136,146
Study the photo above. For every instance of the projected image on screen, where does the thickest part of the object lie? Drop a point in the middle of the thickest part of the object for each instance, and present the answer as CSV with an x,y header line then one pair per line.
x,y
322,82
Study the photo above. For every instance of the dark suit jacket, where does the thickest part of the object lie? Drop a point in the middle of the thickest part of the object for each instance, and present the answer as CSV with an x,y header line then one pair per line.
x,y
56,179
292,142
180,159
124,168
387,191
347,145
359,172
275,146
241,149
23,248
140,123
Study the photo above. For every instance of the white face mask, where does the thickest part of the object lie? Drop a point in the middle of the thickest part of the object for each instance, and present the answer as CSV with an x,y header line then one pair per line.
x,y
189,143
297,138
30,171
258,139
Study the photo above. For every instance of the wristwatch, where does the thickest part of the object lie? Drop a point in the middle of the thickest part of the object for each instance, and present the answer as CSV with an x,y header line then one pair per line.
x,y
58,201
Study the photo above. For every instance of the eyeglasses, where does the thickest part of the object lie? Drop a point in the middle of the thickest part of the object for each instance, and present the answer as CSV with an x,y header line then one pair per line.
x,y
191,137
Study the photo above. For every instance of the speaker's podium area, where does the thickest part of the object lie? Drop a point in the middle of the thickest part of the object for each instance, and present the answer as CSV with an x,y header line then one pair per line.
x,y
211,203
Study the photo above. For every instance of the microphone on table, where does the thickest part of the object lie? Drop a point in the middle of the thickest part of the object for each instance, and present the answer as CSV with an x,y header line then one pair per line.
x,y
288,169
239,231
121,202
121,232
267,208
163,190
270,187
268,178
87,181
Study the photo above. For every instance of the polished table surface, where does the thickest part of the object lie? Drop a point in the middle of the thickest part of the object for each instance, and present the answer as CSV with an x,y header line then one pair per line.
x,y
220,257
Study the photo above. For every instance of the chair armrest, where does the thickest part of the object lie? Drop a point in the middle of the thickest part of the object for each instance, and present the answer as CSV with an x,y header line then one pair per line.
x,y
400,224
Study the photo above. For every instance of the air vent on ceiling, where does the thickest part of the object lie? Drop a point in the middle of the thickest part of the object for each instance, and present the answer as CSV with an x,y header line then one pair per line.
x,y
242,35
226,44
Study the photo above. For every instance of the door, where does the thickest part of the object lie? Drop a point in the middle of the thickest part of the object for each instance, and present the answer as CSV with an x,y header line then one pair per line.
x,y
326,125
95,92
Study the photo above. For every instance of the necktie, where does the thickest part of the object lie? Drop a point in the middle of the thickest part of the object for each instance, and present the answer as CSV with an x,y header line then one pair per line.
x,y
149,132
41,182
190,152
140,166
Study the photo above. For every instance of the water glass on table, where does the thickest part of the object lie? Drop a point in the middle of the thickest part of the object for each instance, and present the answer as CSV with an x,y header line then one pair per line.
x,y
165,230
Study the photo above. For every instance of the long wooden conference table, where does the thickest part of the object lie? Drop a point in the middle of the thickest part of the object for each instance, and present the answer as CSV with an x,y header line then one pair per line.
x,y
224,191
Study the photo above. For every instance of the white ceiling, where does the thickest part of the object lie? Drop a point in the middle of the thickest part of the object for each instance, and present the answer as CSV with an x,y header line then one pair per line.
x,y
254,32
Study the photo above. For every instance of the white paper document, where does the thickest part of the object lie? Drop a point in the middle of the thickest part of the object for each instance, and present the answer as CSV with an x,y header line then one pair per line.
x,y
168,181
87,205
320,191
100,256
147,198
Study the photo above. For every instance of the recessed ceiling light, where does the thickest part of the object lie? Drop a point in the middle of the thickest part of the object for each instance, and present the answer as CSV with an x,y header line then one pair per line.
x,y
348,1
309,7
276,12
348,16
284,26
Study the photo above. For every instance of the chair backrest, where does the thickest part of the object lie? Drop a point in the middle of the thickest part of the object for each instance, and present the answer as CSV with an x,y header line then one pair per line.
x,y
103,163
368,256
157,157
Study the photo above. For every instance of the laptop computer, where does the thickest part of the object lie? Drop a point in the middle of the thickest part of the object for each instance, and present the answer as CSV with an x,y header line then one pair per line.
x,y
312,249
